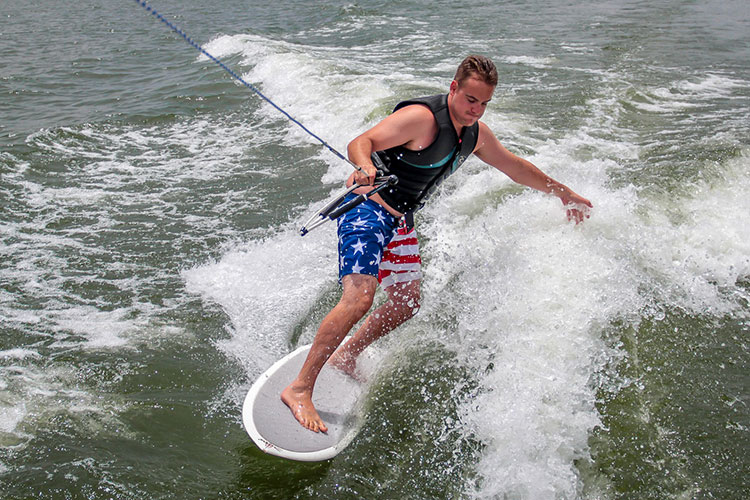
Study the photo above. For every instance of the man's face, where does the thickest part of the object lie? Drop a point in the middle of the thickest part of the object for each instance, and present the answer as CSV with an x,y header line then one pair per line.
x,y
469,100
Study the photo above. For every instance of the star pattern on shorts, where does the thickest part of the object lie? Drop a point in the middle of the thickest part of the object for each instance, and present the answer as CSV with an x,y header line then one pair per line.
x,y
359,247
359,222
356,268
377,258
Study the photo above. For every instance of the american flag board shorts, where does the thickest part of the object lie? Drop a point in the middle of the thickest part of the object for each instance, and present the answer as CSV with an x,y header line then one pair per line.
x,y
363,233
401,262
372,241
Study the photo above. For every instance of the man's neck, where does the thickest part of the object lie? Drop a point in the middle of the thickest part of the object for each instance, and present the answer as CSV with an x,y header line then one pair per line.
x,y
457,126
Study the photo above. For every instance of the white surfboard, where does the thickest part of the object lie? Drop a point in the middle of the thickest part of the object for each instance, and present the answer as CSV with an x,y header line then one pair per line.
x,y
272,427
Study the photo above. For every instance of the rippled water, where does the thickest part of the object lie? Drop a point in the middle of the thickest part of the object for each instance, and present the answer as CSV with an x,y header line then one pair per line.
x,y
152,267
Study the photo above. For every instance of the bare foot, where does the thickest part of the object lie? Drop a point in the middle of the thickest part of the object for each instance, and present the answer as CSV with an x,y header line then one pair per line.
x,y
344,362
347,364
300,402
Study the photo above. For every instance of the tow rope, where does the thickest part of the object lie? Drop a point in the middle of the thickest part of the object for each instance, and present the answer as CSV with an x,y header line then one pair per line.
x,y
237,77
332,209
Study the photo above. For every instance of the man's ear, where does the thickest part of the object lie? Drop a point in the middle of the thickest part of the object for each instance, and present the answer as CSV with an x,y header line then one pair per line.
x,y
453,87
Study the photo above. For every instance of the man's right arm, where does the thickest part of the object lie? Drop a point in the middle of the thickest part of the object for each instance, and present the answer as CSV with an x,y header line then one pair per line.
x,y
359,151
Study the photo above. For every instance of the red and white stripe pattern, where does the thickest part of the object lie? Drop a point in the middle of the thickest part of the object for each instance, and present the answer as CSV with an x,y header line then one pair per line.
x,y
401,261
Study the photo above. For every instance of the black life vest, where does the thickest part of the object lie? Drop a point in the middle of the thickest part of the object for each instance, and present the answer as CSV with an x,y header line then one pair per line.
x,y
420,172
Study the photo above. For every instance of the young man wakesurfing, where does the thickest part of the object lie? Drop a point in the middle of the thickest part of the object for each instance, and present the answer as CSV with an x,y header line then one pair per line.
x,y
422,142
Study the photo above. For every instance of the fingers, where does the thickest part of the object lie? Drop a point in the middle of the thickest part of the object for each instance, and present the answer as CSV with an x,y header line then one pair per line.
x,y
577,208
365,176
577,215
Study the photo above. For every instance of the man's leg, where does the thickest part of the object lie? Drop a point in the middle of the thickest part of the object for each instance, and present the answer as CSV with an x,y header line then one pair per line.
x,y
400,274
402,304
356,299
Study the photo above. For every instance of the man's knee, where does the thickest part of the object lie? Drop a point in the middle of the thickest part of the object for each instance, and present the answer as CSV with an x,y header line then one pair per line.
x,y
359,292
357,304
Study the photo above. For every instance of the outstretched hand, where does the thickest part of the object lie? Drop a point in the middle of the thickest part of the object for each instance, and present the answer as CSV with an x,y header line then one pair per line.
x,y
577,207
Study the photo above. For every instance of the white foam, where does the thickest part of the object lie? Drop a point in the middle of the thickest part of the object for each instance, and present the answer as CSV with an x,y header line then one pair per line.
x,y
19,353
249,46
530,293
525,288
534,62
665,106
30,395
266,286
291,79
688,94
102,329
11,416
710,86
701,257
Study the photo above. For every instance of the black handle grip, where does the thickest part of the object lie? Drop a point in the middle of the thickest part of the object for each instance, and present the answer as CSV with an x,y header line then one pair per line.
x,y
346,207
334,214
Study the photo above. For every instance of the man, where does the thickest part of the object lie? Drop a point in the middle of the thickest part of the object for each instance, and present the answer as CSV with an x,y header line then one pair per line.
x,y
422,142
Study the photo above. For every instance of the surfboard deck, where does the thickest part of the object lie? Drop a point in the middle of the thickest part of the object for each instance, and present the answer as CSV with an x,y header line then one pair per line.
x,y
273,428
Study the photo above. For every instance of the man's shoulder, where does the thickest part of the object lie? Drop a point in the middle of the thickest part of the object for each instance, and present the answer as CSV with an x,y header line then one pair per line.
x,y
414,115
416,109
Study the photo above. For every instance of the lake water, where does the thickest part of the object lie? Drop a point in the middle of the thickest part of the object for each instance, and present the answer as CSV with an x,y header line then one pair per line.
x,y
152,266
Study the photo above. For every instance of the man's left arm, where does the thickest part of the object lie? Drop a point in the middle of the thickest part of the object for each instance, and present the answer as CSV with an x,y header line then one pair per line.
x,y
522,171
